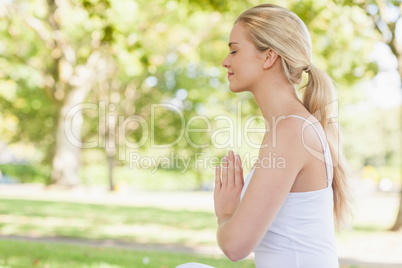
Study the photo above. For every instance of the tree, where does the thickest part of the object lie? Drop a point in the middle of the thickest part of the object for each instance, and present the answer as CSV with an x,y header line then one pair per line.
x,y
68,62
127,56
385,15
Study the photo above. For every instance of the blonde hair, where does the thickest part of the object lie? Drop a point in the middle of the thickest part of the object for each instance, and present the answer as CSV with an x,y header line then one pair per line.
x,y
275,27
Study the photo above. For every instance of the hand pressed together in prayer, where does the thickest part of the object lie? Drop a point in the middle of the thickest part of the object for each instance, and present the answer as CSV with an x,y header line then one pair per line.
x,y
229,183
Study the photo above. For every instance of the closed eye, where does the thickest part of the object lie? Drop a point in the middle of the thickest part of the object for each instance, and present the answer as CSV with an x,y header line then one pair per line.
x,y
233,52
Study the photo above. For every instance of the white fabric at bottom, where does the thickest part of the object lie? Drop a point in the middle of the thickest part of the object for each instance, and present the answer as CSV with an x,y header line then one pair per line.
x,y
194,265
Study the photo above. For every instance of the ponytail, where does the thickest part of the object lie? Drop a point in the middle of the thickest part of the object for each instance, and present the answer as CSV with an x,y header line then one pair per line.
x,y
319,98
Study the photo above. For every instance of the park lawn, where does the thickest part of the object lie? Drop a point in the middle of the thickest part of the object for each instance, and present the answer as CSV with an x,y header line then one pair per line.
x,y
95,221
143,225
20,254
140,225
146,225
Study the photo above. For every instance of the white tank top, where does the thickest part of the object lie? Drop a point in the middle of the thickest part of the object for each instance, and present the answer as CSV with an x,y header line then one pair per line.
x,y
302,235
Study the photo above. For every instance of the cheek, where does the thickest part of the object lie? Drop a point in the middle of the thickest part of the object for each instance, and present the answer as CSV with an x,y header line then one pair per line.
x,y
254,66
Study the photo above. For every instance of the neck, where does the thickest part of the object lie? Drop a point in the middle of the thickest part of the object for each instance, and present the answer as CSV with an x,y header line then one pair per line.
x,y
276,97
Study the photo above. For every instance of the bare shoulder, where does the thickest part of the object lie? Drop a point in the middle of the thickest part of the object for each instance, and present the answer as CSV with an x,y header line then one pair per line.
x,y
283,143
308,132
284,134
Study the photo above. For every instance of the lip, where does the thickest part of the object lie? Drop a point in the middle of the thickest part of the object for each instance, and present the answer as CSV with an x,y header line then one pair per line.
x,y
230,74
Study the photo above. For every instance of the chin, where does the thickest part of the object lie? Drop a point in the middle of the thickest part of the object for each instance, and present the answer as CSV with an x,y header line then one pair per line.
x,y
236,89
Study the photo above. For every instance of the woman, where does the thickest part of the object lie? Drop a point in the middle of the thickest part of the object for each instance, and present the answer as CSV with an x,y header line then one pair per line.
x,y
285,214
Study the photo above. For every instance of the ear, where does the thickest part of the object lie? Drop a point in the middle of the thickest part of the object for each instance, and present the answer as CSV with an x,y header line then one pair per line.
x,y
270,57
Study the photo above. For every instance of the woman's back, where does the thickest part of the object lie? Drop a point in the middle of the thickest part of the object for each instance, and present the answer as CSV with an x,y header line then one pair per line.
x,y
302,234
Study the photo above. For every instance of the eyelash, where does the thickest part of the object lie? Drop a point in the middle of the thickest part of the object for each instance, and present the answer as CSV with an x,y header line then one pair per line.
x,y
233,52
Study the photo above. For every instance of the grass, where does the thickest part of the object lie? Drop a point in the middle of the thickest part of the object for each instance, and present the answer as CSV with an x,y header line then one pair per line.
x,y
133,224
19,254
129,224
141,225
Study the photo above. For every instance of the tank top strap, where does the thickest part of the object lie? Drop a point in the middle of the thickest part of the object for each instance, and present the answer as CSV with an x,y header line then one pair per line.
x,y
324,146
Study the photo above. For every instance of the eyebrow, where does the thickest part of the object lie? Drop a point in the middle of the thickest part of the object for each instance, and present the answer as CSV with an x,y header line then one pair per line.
x,y
232,43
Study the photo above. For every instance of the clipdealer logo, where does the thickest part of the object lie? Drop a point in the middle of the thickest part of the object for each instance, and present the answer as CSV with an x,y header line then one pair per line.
x,y
113,131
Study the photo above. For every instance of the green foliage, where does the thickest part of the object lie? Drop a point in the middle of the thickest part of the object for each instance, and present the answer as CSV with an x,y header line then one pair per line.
x,y
26,172
177,45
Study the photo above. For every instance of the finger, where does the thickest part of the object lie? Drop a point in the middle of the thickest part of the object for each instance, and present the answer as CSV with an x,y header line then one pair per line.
x,y
231,170
218,179
239,181
225,165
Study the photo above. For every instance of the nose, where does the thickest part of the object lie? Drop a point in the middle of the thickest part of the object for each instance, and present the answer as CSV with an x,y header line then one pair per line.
x,y
226,62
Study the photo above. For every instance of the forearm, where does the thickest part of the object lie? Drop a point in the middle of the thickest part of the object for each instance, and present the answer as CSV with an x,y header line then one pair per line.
x,y
223,235
229,239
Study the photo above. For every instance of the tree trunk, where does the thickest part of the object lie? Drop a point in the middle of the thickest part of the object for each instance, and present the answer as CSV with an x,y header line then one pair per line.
x,y
67,157
199,179
398,222
110,160
397,51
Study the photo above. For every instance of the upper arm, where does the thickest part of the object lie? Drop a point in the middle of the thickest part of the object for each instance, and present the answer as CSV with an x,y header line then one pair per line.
x,y
278,164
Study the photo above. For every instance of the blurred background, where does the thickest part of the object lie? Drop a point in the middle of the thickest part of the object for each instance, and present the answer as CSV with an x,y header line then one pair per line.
x,y
113,115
